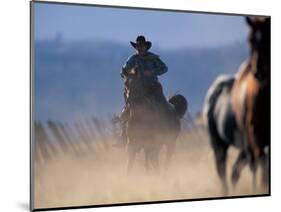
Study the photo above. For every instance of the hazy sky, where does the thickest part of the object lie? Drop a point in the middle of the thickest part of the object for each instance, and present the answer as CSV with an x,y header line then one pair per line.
x,y
164,29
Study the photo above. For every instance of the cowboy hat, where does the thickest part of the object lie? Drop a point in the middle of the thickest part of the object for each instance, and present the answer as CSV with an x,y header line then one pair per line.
x,y
141,40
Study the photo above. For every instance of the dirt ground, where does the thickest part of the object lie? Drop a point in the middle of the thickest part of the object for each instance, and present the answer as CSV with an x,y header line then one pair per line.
x,y
96,174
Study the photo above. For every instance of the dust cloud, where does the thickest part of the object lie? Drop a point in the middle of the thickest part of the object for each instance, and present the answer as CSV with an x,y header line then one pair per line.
x,y
96,173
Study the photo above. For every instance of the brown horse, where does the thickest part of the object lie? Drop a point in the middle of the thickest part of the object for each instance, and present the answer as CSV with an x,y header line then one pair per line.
x,y
251,94
237,108
153,122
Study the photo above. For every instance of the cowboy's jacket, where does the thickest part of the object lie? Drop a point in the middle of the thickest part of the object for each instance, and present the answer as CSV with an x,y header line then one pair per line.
x,y
150,62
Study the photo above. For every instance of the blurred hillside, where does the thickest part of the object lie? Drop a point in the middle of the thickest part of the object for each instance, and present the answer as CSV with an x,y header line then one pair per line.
x,y
75,79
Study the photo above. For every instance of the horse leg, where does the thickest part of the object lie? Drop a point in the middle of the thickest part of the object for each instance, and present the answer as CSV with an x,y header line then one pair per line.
x,y
147,159
240,163
254,149
220,157
155,159
170,149
265,170
258,156
253,168
131,157
151,160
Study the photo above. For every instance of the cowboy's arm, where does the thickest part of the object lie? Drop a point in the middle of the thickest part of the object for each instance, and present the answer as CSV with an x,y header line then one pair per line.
x,y
160,67
129,64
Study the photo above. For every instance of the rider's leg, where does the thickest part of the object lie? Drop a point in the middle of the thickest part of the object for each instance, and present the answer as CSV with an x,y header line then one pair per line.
x,y
123,120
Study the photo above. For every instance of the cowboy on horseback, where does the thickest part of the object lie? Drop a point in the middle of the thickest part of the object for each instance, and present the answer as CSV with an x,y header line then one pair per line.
x,y
150,66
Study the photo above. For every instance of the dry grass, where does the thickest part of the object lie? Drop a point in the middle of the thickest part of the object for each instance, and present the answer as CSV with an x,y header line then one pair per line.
x,y
98,176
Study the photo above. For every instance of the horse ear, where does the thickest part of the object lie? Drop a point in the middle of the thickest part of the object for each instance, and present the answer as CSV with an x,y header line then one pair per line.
x,y
249,21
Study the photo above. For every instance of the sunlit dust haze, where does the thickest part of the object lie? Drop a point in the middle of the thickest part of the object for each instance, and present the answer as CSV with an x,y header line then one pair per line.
x,y
93,172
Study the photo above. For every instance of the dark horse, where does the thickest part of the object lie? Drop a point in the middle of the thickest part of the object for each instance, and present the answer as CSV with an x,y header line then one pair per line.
x,y
237,108
153,122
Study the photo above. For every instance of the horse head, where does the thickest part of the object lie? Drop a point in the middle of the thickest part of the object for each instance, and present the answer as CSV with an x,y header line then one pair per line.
x,y
259,40
134,85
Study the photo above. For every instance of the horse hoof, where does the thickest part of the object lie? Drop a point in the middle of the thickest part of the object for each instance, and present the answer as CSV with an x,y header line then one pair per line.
x,y
225,191
234,178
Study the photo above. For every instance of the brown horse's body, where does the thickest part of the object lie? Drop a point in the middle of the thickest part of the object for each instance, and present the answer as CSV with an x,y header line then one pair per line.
x,y
251,106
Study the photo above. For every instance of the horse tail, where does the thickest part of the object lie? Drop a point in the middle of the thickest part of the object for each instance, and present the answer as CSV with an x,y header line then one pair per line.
x,y
180,104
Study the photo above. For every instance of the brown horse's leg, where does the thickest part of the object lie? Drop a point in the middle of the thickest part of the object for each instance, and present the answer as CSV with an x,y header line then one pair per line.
x,y
265,170
252,141
240,163
254,150
253,168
